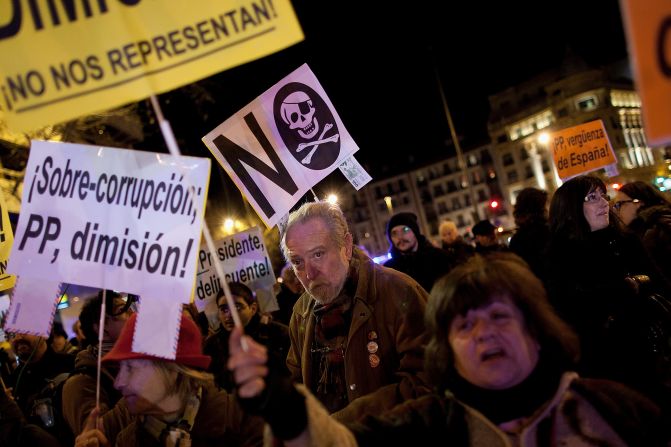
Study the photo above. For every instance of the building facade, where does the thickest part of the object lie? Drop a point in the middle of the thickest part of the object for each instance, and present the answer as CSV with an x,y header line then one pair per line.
x,y
523,116
518,156
434,193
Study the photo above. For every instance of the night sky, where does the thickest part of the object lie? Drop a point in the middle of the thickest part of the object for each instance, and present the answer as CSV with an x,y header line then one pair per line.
x,y
377,63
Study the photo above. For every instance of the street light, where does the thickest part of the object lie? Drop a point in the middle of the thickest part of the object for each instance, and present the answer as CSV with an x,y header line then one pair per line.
x,y
332,199
390,207
229,224
541,140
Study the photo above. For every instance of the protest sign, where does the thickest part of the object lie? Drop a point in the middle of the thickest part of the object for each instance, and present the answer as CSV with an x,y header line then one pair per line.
x,y
243,258
64,59
648,26
6,240
581,149
109,218
281,144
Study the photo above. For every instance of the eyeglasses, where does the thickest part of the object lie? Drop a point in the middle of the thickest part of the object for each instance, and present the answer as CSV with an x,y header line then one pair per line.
x,y
238,306
617,205
595,197
129,303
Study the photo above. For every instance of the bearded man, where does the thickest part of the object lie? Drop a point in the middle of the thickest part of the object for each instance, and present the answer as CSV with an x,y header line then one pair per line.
x,y
357,330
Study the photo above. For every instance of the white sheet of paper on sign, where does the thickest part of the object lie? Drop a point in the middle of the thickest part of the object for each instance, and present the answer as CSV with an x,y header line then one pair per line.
x,y
33,305
355,173
157,329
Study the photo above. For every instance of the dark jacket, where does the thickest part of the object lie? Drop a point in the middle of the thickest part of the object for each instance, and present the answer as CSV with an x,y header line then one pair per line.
x,y
34,377
285,300
389,308
459,250
586,284
425,265
16,432
530,242
273,335
653,226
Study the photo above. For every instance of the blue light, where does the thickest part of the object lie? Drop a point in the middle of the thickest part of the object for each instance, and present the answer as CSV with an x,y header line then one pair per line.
x,y
382,259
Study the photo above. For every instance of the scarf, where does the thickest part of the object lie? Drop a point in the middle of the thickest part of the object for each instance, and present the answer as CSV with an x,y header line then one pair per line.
x,y
332,322
520,401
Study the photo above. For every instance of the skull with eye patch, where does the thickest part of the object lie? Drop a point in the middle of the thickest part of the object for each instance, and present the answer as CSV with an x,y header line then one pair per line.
x,y
298,113
307,125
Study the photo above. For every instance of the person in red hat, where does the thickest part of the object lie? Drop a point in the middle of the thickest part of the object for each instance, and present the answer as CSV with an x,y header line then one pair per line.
x,y
169,402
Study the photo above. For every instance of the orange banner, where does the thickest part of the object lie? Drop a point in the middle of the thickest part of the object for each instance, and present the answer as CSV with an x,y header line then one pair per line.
x,y
648,26
581,149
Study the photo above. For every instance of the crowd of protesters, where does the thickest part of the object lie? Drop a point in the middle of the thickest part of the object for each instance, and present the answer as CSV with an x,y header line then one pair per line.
x,y
560,337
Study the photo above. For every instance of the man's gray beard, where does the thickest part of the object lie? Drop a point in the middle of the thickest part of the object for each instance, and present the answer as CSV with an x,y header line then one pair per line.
x,y
329,299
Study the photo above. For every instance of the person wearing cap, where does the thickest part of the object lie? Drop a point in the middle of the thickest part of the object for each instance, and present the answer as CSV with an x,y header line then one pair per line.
x,y
273,335
412,254
79,390
169,402
357,330
485,238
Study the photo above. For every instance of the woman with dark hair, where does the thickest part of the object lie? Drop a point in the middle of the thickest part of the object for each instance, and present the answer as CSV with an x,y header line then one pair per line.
x,y
501,362
647,213
591,263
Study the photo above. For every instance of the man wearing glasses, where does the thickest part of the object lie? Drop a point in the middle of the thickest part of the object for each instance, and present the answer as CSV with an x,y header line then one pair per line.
x,y
273,335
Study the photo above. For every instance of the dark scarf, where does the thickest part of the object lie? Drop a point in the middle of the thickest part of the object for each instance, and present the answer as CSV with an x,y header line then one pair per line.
x,y
332,322
522,400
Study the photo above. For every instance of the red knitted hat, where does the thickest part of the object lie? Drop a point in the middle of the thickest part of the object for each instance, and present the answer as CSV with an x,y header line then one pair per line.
x,y
189,346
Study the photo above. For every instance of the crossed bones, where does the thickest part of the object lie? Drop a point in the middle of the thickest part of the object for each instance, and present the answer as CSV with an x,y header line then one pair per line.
x,y
315,144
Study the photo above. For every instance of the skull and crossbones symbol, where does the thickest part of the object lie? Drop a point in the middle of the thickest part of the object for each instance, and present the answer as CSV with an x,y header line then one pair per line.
x,y
298,112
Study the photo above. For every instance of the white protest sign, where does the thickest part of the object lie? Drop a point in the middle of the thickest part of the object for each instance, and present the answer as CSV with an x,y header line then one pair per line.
x,y
244,258
281,144
110,218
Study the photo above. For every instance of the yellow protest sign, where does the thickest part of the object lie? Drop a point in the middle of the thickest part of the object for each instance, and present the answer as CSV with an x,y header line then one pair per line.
x,y
648,26
581,149
6,240
64,59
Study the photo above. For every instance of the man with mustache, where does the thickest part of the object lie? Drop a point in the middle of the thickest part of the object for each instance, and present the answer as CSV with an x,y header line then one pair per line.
x,y
412,254
357,329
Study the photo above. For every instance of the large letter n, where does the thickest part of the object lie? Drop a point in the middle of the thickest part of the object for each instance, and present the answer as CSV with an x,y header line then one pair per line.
x,y
234,155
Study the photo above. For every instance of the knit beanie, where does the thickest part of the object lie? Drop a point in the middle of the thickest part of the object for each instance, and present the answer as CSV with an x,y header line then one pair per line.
x,y
483,228
406,219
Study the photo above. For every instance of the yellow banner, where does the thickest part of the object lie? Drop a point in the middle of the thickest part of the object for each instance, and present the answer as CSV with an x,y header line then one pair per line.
x,y
581,149
6,240
62,59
